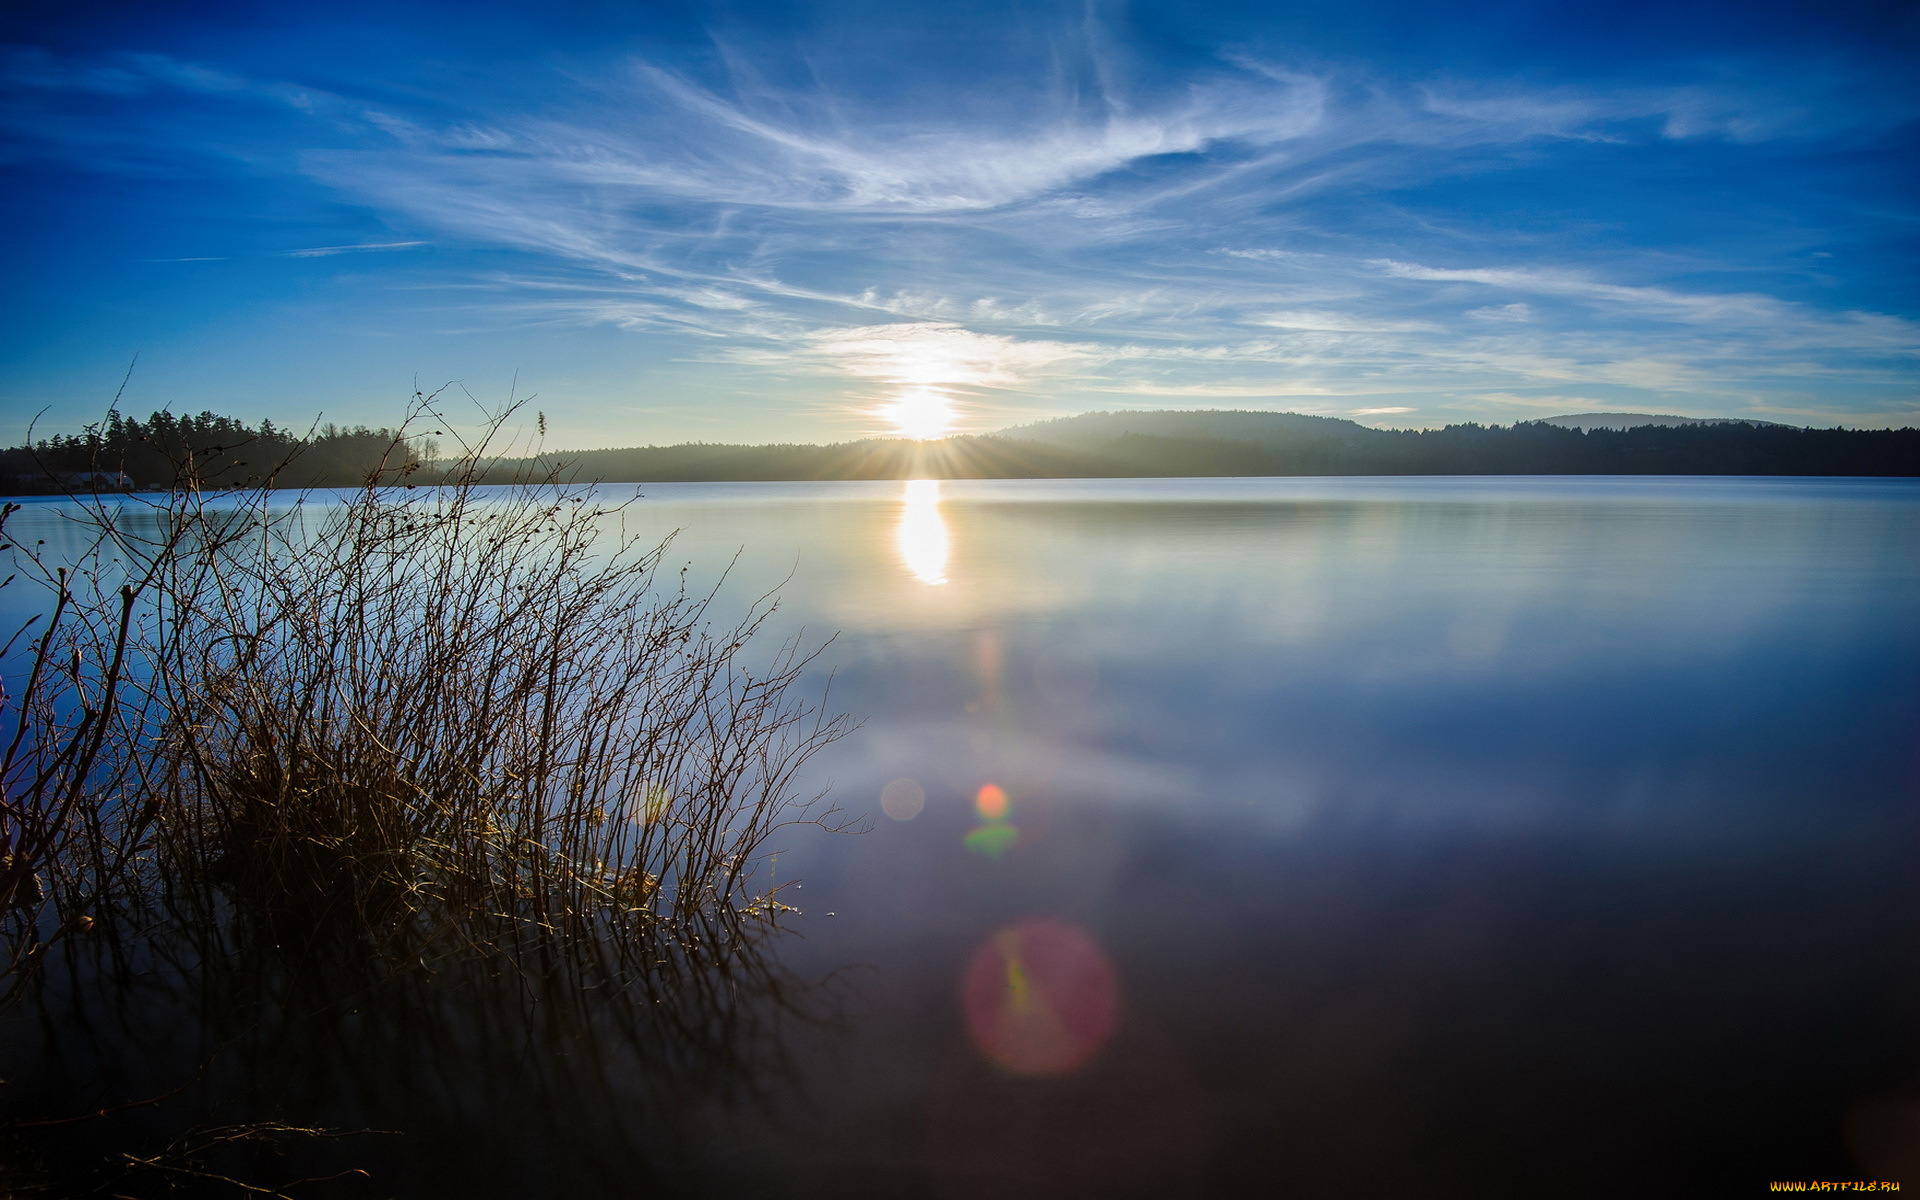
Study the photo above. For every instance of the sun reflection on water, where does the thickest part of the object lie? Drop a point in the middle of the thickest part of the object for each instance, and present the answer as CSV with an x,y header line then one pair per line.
x,y
922,535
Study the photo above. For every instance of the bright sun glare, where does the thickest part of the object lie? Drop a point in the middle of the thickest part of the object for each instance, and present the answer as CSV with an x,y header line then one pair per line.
x,y
920,413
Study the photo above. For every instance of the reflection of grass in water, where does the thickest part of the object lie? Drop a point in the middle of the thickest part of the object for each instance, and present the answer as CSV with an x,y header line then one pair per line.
x,y
504,1080
417,725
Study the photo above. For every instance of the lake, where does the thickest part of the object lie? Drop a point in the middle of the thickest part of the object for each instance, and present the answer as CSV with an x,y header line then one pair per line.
x,y
1228,837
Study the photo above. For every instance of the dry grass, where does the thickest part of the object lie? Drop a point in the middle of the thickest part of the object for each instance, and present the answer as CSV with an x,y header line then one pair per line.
x,y
419,719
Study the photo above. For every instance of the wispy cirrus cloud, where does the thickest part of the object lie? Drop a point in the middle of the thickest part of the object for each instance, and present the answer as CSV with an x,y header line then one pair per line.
x,y
355,248
1746,310
26,70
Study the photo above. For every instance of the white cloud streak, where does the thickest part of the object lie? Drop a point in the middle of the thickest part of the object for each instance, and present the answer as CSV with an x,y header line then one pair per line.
x,y
327,251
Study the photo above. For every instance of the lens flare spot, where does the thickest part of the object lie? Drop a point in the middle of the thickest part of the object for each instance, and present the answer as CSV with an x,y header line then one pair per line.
x,y
903,799
995,836
1040,998
650,802
992,839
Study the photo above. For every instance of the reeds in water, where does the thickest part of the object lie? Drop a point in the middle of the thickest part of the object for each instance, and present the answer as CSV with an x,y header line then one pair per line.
x,y
424,718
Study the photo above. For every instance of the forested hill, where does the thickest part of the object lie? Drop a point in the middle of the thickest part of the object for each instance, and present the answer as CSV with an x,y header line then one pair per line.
x,y
1262,428
1615,420
122,454
1241,443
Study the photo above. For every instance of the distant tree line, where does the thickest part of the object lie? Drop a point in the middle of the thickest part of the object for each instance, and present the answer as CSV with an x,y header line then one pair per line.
x,y
156,454
124,454
1522,449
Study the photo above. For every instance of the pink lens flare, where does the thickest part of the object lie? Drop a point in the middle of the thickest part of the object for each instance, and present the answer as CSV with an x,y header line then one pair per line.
x,y
1040,998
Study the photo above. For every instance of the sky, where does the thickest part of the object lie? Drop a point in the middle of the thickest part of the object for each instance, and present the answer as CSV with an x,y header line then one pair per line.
x,y
771,222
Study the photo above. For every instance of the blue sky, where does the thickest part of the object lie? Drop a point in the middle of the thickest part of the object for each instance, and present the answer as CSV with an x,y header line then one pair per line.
x,y
797,222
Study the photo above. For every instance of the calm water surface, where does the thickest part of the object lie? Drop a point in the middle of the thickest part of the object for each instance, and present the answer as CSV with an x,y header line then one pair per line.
x,y
1413,837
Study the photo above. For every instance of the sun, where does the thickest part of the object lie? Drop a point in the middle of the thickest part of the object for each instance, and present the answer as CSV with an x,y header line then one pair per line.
x,y
920,413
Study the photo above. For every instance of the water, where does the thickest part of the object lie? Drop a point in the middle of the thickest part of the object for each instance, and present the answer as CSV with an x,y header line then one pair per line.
x,y
1298,836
